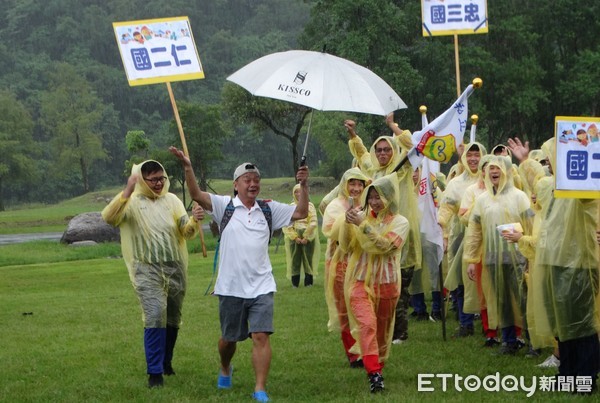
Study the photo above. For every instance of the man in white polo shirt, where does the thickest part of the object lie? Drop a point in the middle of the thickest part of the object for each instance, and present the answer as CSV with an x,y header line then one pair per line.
x,y
245,282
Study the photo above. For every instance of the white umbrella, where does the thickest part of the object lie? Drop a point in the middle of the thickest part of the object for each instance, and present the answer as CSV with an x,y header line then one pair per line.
x,y
320,81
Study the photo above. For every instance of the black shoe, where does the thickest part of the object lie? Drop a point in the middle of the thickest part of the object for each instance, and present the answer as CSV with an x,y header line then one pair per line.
x,y
357,364
155,380
376,381
490,342
436,316
168,369
533,352
464,331
414,314
422,316
308,280
508,349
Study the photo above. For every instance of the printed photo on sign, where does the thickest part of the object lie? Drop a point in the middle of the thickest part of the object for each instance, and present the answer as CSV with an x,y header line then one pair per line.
x,y
155,51
449,17
577,168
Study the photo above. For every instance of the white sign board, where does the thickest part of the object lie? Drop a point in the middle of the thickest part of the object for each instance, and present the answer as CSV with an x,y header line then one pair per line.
x,y
157,51
577,168
449,17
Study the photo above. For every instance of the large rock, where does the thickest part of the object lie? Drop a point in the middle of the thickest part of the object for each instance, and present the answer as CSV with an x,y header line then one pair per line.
x,y
90,227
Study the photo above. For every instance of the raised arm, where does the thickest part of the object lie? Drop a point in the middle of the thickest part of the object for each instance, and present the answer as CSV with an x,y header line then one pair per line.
x,y
198,195
302,206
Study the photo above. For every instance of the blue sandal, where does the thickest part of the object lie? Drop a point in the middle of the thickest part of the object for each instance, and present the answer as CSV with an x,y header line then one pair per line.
x,y
260,396
224,382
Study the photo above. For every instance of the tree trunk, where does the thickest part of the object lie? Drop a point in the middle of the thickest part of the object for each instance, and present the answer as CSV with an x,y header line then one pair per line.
x,y
1,196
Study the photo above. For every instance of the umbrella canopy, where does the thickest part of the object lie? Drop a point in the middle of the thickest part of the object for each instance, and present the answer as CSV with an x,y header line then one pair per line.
x,y
318,80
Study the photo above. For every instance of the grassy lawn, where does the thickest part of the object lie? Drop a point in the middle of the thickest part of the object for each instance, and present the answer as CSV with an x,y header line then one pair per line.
x,y
72,332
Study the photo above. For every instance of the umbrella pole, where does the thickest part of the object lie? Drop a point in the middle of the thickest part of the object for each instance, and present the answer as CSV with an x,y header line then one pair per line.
x,y
303,160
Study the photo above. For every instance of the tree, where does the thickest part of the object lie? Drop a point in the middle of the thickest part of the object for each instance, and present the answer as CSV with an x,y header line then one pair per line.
x,y
71,113
16,143
262,113
204,135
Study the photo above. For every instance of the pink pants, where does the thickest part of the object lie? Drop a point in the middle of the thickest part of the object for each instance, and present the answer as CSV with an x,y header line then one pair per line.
x,y
375,321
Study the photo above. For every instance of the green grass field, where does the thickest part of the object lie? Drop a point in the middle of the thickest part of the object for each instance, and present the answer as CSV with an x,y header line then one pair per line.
x,y
72,332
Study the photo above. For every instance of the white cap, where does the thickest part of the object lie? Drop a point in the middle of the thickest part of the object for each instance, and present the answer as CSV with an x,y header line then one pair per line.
x,y
245,168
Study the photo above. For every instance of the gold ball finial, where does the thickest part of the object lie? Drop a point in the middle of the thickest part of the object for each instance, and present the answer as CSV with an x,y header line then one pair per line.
x,y
474,119
423,109
477,82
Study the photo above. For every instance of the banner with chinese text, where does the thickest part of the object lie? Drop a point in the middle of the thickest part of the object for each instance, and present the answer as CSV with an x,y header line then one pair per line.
x,y
157,51
449,17
577,169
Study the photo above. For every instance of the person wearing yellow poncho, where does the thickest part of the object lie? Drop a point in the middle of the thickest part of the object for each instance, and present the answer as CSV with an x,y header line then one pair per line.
x,y
503,264
154,226
302,245
566,289
351,185
381,159
536,186
454,230
373,275
474,300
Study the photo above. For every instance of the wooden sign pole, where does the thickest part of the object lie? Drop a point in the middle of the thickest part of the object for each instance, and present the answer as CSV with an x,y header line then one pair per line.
x,y
185,151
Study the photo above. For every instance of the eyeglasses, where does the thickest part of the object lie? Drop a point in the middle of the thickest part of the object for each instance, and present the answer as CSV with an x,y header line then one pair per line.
x,y
383,150
154,181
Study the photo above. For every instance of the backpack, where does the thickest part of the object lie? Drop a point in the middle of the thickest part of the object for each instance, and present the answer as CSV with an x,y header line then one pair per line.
x,y
229,210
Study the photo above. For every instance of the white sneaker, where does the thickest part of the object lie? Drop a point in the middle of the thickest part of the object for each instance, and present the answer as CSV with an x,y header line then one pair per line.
x,y
551,362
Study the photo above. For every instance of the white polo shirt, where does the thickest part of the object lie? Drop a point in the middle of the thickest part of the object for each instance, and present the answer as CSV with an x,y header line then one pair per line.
x,y
244,267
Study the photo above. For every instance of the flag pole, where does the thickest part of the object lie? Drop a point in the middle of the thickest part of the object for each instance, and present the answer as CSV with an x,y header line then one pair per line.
x,y
424,122
474,119
185,151
457,65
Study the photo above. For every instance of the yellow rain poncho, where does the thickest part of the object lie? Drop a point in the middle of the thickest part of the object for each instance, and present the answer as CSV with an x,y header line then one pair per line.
x,y
542,189
449,218
474,300
566,266
407,198
336,257
502,263
154,228
306,255
338,249
373,274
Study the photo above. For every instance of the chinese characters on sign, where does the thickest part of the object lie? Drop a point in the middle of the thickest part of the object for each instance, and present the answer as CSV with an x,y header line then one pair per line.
x,y
449,17
155,51
577,157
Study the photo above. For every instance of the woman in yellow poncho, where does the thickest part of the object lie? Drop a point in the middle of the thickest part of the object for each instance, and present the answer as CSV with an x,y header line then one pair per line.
x,y
566,289
381,159
154,226
454,230
474,300
502,263
302,245
351,185
373,274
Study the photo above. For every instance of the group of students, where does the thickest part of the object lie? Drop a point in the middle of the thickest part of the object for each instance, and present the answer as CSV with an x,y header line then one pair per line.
x,y
525,261
521,259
